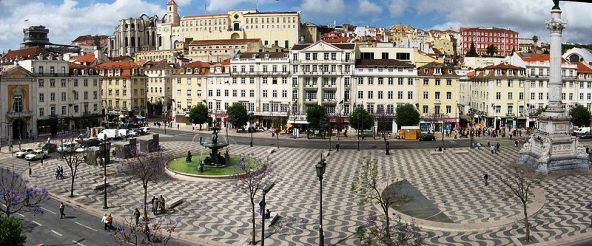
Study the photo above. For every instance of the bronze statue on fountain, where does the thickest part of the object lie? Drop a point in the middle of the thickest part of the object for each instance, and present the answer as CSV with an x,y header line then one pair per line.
x,y
215,159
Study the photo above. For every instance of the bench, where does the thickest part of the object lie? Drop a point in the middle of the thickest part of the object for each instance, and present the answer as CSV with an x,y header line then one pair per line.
x,y
273,217
433,152
101,186
175,202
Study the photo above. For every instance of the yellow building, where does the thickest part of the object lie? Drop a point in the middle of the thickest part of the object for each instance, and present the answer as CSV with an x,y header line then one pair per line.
x,y
280,29
219,50
498,92
158,88
421,59
438,97
123,87
187,85
158,55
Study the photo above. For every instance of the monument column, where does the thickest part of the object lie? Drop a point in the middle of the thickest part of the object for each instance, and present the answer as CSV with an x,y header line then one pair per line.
x,y
555,26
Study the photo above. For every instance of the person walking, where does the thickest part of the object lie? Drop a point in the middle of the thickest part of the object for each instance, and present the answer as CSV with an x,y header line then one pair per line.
x,y
137,216
30,170
497,147
486,178
104,221
492,148
154,204
516,143
337,147
62,207
162,205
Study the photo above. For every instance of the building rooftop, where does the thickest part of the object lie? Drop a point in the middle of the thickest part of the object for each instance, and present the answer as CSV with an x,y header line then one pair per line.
x,y
224,41
250,55
25,53
342,46
383,63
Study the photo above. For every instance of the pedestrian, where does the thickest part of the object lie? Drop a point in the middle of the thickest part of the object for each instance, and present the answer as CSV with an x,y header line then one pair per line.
x,y
162,205
516,143
337,147
104,221
42,162
110,222
488,143
137,216
497,147
62,207
177,126
30,170
154,205
492,148
486,178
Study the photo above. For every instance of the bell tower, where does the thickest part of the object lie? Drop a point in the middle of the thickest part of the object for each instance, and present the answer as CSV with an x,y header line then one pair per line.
x,y
173,13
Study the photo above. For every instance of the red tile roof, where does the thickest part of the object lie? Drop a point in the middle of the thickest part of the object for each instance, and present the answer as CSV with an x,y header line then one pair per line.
x,y
224,41
582,68
86,58
333,40
533,57
118,64
72,65
196,64
171,2
23,53
88,38
502,66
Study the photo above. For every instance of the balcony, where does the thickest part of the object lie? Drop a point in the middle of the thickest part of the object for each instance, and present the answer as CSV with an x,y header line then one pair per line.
x,y
330,101
17,115
310,100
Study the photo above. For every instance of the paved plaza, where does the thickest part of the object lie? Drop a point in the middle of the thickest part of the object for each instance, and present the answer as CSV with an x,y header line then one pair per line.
x,y
215,214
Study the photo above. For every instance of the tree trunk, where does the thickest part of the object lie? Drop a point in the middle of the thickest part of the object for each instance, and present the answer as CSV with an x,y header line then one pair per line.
x,y
387,224
72,186
526,223
253,221
200,126
145,201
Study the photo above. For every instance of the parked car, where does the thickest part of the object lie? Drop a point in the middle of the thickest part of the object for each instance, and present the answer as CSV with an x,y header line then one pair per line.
x,y
49,147
144,130
23,153
586,136
68,147
427,137
91,142
132,133
37,154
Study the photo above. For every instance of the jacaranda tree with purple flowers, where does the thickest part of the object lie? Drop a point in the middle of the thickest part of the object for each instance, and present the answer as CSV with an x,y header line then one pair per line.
x,y
17,196
158,231
147,168
252,175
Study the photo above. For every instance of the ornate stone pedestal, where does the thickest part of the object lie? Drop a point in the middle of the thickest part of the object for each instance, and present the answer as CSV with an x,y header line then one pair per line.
x,y
552,148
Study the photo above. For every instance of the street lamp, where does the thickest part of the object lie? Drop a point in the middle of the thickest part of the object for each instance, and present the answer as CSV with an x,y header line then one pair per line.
x,y
320,168
105,160
251,128
265,191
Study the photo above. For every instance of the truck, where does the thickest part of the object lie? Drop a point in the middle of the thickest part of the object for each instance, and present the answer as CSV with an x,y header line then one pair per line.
x,y
107,134
582,130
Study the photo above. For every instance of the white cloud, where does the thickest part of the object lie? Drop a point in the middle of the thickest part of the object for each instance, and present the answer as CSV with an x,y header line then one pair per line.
x,y
526,16
224,5
68,20
323,7
397,7
183,2
366,7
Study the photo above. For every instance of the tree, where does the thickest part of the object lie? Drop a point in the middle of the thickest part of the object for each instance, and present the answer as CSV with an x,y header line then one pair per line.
x,y
277,124
367,185
146,168
360,119
237,115
580,116
472,51
316,115
491,50
406,115
199,114
16,196
11,232
73,159
520,181
159,231
253,175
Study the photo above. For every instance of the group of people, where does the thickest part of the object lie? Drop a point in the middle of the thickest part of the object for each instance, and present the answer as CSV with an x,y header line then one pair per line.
x,y
108,222
158,205
59,173
495,148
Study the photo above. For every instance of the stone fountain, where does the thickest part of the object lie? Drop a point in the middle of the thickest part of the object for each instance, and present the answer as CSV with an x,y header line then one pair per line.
x,y
215,159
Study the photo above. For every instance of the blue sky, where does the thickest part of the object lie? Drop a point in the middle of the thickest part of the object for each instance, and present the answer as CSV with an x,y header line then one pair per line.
x,y
69,18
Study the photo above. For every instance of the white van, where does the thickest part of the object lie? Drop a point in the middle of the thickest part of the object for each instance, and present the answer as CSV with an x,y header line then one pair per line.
x,y
582,130
107,134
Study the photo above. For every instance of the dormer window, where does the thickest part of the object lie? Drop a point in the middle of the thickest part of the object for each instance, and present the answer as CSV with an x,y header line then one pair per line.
x,y
438,70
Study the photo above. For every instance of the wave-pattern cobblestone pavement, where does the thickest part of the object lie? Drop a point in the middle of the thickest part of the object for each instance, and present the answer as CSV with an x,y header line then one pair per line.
x,y
216,212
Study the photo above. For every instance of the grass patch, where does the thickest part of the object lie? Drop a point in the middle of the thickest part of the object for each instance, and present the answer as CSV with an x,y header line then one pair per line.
x,y
180,165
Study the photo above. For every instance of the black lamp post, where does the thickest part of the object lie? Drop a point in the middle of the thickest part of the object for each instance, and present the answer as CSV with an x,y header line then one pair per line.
x,y
320,167
105,160
265,191
251,128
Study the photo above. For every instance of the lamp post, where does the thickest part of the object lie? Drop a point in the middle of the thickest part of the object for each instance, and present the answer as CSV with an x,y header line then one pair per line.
x,y
105,160
265,191
320,168
251,128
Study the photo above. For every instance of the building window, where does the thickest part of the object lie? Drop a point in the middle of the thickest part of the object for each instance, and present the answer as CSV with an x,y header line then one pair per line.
x,y
41,97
